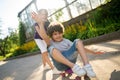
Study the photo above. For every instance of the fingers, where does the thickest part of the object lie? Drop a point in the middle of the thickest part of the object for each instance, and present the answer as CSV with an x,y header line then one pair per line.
x,y
33,14
99,52
46,60
49,63
43,60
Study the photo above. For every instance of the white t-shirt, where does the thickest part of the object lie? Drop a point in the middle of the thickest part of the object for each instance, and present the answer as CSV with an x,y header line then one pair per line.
x,y
63,45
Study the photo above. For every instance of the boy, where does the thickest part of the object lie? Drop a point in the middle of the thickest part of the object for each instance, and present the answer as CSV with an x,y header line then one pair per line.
x,y
63,51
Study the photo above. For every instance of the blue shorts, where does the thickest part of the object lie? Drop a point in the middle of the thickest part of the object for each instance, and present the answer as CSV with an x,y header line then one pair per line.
x,y
70,54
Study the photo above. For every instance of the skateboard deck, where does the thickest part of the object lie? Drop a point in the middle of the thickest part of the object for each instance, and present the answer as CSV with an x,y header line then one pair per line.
x,y
68,73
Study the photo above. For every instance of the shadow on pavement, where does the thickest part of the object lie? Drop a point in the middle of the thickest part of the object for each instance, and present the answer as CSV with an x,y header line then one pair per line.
x,y
103,56
115,75
110,45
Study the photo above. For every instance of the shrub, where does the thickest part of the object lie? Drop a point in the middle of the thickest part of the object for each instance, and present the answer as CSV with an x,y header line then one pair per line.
x,y
25,48
75,31
18,51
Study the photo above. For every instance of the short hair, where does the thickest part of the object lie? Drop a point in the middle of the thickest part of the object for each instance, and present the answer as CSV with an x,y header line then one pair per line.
x,y
55,27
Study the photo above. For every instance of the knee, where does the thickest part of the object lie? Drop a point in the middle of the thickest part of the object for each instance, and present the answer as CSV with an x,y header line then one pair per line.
x,y
79,42
55,51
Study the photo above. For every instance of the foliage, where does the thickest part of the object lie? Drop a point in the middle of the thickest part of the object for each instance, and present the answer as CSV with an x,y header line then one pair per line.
x,y
58,15
25,48
8,42
28,46
106,12
22,37
90,29
3,46
18,51
72,32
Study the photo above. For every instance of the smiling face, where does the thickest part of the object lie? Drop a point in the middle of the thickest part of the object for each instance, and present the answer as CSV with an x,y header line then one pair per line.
x,y
57,36
55,31
43,14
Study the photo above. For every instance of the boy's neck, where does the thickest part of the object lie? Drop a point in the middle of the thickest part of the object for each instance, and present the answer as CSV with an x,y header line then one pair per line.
x,y
58,41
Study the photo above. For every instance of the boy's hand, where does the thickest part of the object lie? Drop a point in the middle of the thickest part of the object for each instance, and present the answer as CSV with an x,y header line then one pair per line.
x,y
99,52
46,60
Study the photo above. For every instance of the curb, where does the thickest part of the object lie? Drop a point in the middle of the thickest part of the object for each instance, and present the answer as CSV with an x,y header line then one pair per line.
x,y
103,38
23,55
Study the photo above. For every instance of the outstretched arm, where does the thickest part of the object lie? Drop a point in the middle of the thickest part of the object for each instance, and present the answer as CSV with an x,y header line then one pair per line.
x,y
41,31
88,50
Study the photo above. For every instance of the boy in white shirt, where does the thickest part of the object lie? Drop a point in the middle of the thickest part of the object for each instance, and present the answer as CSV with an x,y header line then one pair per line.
x,y
63,51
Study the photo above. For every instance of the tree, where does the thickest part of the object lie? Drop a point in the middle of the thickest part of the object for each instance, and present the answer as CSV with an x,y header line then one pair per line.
x,y
13,37
22,36
2,46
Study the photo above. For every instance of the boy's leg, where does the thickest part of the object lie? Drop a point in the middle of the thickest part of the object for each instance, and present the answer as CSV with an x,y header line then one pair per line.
x,y
81,51
57,55
83,55
60,58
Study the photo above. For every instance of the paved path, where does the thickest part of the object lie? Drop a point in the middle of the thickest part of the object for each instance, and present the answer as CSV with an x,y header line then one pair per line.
x,y
105,65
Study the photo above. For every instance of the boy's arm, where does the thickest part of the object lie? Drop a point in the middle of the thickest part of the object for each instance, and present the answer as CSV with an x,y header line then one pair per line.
x,y
88,50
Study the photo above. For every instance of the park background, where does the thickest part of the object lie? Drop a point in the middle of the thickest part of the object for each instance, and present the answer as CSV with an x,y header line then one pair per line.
x,y
82,19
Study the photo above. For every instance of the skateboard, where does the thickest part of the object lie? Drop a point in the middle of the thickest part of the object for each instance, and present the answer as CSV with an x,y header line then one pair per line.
x,y
69,72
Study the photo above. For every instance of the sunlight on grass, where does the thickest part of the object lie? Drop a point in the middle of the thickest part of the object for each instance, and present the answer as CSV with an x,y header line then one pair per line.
x,y
7,56
2,58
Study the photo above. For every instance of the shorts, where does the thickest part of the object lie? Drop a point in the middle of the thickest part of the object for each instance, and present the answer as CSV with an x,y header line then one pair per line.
x,y
41,44
70,54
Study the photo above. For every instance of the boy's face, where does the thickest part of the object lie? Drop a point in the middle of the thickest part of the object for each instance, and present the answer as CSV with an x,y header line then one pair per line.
x,y
43,15
57,36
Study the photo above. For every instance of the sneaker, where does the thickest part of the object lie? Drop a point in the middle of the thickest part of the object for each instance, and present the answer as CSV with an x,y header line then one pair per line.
x,y
78,71
89,70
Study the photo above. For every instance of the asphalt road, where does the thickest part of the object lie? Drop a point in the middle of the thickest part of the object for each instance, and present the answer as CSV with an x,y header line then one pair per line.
x,y
106,66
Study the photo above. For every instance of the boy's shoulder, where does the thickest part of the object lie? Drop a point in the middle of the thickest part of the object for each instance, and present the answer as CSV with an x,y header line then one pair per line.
x,y
66,39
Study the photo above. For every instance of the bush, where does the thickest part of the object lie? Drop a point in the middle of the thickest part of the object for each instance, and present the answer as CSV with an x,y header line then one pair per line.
x,y
22,37
18,52
72,32
25,48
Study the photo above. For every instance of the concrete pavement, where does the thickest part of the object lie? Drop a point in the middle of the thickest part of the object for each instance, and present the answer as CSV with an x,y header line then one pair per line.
x,y
106,66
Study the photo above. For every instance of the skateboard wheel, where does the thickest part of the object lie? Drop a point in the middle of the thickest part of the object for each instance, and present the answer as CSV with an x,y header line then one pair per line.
x,y
86,77
78,78
62,74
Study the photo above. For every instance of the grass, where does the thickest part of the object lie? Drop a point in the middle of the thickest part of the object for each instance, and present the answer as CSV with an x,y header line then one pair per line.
x,y
7,56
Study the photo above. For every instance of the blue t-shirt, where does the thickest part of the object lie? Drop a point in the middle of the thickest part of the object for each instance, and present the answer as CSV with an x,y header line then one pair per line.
x,y
36,35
